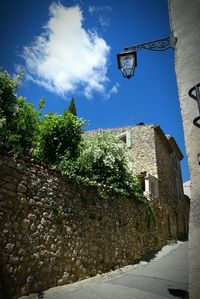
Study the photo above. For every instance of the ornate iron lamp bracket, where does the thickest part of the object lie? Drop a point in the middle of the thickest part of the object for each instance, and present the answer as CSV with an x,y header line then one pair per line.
x,y
196,97
127,59
156,45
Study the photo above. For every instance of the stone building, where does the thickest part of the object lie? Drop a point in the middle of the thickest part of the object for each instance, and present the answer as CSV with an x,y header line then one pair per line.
x,y
185,22
156,162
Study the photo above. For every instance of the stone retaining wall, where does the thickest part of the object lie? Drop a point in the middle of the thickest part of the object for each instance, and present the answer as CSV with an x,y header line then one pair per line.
x,y
53,232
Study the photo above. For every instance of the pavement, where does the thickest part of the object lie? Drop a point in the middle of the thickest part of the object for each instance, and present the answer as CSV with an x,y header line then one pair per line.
x,y
165,276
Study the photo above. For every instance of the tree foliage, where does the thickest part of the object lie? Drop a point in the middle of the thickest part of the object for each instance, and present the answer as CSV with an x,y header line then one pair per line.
x,y
59,135
103,162
24,131
19,121
72,107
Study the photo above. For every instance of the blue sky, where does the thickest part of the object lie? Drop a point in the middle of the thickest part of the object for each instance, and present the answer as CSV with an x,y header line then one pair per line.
x,y
68,49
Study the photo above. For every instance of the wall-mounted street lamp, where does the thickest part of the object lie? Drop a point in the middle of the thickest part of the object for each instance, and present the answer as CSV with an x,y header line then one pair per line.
x,y
194,93
127,59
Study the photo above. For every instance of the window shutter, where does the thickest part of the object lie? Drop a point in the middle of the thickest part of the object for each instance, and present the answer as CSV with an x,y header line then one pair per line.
x,y
128,139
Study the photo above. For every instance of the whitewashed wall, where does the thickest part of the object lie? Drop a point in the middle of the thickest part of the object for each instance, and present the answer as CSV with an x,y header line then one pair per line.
x,y
185,24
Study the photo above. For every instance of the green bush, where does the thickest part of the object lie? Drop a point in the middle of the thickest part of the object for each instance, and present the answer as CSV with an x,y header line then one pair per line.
x,y
59,135
103,162
19,121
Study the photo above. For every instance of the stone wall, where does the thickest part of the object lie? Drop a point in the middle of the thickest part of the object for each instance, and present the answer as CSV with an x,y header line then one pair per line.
x,y
169,180
53,232
168,174
143,150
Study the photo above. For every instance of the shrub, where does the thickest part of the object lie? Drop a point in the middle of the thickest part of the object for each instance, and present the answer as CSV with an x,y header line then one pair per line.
x,y
59,135
103,162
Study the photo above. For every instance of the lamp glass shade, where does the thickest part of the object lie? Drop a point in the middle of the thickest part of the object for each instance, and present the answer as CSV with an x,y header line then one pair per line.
x,y
127,63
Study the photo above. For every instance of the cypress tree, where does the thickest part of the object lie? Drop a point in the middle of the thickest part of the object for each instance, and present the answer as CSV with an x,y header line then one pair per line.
x,y
72,107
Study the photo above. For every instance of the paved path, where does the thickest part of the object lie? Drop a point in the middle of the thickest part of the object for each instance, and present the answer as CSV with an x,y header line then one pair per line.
x,y
163,277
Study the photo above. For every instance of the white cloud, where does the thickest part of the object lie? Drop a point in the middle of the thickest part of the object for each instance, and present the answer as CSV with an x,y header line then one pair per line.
x,y
92,9
101,12
105,8
66,57
112,91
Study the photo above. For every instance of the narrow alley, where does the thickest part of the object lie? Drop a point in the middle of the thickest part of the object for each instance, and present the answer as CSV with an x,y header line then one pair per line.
x,y
165,276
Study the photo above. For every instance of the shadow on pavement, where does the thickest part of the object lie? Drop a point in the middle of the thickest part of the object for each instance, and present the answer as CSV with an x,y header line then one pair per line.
x,y
179,293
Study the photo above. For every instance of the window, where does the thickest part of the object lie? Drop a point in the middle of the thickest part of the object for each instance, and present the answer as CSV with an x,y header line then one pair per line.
x,y
175,161
152,188
151,185
126,138
179,188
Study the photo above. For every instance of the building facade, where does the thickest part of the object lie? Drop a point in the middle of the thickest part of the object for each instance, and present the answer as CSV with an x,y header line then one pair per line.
x,y
185,23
